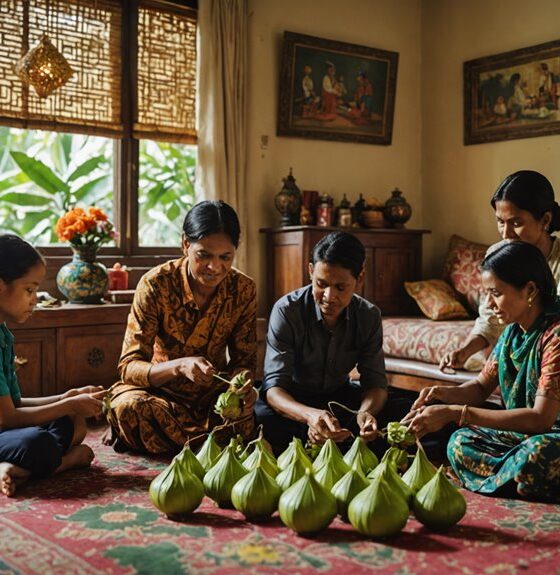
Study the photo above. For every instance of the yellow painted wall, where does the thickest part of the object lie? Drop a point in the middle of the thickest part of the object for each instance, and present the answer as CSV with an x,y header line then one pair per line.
x,y
457,180
333,167
448,184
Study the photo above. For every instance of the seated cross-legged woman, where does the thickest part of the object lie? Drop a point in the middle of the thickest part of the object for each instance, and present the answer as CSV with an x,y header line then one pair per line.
x,y
186,315
514,451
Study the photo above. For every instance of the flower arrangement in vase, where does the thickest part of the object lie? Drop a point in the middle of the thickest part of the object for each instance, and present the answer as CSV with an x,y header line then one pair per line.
x,y
84,280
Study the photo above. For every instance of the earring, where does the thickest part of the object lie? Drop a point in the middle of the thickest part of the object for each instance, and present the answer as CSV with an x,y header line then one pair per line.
x,y
530,301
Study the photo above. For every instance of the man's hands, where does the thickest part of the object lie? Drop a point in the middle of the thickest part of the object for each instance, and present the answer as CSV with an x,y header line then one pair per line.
x,y
368,425
323,425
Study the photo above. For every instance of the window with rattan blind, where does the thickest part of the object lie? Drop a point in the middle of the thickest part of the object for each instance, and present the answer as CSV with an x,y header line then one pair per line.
x,y
166,77
160,77
88,34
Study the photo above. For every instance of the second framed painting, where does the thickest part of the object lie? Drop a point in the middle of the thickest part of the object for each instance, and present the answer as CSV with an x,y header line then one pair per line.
x,y
332,90
513,95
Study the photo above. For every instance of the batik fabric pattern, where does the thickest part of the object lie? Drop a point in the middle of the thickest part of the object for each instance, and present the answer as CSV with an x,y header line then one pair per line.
x,y
525,365
165,324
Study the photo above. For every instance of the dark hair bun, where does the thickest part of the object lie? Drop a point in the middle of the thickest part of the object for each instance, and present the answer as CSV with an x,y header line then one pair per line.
x,y
211,217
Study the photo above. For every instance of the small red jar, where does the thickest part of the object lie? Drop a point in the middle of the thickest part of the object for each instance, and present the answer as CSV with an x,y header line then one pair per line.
x,y
118,277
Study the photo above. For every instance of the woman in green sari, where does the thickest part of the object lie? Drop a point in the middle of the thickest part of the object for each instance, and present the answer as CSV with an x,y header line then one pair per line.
x,y
514,451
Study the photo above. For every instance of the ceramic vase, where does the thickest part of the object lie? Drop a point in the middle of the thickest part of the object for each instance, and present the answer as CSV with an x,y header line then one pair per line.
x,y
288,201
397,209
83,280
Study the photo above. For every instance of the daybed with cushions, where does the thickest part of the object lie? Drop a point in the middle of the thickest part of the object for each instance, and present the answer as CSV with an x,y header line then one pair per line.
x,y
414,345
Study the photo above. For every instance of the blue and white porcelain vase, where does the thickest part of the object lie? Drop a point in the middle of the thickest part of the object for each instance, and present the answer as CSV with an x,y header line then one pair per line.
x,y
83,280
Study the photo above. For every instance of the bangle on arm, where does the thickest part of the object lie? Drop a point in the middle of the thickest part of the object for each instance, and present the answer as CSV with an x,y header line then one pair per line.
x,y
464,413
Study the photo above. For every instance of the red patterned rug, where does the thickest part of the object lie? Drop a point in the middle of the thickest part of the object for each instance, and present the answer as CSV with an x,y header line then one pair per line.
x,y
102,521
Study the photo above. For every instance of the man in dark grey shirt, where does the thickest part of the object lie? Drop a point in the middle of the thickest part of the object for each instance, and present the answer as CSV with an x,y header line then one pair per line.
x,y
316,336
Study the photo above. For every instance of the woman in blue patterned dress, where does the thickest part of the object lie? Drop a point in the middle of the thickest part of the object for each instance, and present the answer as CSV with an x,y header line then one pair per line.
x,y
515,451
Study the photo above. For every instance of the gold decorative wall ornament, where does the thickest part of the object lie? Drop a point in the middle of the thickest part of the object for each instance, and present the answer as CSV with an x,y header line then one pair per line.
x,y
44,68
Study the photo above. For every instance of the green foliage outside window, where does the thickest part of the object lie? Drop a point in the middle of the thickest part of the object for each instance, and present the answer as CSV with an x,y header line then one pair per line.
x,y
165,191
43,174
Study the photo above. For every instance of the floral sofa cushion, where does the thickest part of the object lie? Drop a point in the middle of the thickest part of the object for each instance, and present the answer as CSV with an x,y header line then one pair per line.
x,y
436,299
461,268
423,339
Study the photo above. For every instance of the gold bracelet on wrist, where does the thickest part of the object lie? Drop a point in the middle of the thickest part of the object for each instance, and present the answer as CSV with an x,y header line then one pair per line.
x,y
464,413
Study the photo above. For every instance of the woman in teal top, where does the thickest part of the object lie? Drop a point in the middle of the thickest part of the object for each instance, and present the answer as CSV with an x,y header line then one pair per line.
x,y
41,435
514,451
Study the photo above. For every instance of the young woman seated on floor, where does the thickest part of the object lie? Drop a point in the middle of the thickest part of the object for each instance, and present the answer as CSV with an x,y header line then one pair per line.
x,y
515,451
43,435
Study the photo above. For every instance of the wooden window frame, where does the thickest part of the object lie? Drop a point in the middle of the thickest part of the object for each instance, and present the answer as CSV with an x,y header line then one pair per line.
x,y
126,157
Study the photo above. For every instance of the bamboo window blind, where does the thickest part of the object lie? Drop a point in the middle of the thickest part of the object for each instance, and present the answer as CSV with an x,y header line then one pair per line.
x,y
89,33
166,74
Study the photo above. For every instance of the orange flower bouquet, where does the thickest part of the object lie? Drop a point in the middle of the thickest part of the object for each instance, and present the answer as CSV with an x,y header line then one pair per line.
x,y
85,229
84,280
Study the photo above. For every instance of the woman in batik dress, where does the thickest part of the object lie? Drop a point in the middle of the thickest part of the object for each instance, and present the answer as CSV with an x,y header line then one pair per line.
x,y
186,315
515,451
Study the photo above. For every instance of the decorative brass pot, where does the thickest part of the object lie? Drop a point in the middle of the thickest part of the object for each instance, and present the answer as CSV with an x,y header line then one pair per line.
x,y
397,210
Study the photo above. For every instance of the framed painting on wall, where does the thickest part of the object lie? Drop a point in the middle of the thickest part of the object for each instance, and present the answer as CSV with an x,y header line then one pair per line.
x,y
332,90
513,95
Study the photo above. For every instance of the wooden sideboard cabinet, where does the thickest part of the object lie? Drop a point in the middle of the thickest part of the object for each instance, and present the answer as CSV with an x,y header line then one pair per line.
x,y
393,256
69,346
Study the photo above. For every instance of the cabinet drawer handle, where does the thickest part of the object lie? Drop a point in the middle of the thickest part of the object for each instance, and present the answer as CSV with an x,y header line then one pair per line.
x,y
95,357
19,362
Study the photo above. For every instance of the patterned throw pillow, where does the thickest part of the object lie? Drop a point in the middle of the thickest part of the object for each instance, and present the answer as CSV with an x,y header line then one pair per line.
x,y
436,299
461,268
421,339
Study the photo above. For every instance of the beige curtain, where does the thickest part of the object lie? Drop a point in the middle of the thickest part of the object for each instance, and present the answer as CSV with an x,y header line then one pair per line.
x,y
222,78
